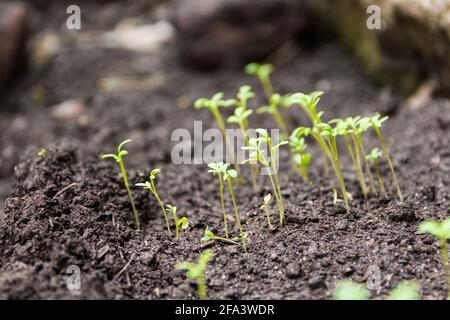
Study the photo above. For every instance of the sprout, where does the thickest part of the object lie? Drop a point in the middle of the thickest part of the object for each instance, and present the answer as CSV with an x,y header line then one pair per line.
x,y
275,102
262,72
405,290
183,222
221,170
42,153
150,185
257,154
373,156
442,232
209,235
119,158
196,271
376,122
265,206
213,105
349,290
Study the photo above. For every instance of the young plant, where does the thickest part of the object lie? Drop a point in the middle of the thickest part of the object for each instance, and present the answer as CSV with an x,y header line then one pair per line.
x,y
196,271
373,156
442,232
42,153
301,159
209,235
349,290
309,103
213,105
150,185
270,163
119,158
376,122
275,102
183,222
262,72
221,170
240,117
265,206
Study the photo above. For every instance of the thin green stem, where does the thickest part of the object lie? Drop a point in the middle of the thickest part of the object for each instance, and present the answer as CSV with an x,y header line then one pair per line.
x,y
238,219
224,240
253,167
201,288
444,256
366,163
161,204
355,164
391,166
268,216
225,222
130,196
380,179
359,170
267,87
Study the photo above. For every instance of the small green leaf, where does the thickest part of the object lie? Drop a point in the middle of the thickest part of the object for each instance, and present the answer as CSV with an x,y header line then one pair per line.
x,y
349,290
405,290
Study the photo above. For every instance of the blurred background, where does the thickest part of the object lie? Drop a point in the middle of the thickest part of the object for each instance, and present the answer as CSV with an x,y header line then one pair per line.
x,y
114,69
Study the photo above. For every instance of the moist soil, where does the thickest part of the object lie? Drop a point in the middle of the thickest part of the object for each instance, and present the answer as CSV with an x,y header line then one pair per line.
x,y
70,208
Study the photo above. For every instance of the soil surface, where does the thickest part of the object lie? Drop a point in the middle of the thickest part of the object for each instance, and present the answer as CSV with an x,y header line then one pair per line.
x,y
70,207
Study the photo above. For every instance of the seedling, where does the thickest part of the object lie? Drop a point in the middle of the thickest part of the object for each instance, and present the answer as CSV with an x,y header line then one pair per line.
x,y
196,271
262,72
376,122
265,206
119,158
257,154
405,290
309,103
373,156
209,235
213,105
301,159
349,290
275,102
442,232
183,222
150,185
42,153
221,170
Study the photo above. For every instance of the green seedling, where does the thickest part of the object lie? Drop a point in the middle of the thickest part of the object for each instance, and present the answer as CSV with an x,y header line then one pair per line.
x,y
262,72
258,155
196,271
265,206
275,102
301,159
240,117
183,222
221,170
42,153
373,156
150,185
214,104
442,232
119,158
362,126
349,290
309,103
209,235
405,290
376,122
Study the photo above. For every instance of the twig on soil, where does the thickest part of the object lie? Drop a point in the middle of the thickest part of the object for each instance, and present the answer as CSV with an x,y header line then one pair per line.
x,y
124,268
65,189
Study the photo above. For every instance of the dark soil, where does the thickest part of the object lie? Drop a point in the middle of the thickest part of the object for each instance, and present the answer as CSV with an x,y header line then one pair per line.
x,y
69,207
